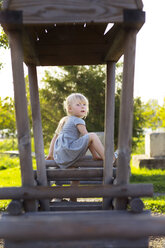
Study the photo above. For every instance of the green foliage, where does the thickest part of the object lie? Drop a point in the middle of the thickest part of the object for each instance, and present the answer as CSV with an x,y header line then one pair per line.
x,y
161,114
140,145
7,116
8,145
88,80
155,204
3,39
7,162
151,115
9,178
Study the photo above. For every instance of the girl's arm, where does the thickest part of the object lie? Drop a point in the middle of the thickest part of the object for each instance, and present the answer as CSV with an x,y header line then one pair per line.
x,y
82,129
50,155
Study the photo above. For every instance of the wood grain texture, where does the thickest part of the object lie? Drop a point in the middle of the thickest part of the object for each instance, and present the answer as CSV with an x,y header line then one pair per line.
x,y
126,114
76,11
37,131
43,192
21,113
81,226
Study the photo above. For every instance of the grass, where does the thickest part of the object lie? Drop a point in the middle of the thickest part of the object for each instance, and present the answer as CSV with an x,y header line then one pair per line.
x,y
154,176
10,176
157,178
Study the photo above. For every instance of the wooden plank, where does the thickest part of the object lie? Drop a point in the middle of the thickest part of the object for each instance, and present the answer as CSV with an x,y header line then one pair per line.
x,y
85,162
77,59
85,173
126,114
43,192
116,38
37,131
75,206
30,53
73,48
68,34
76,11
81,227
87,182
106,243
21,113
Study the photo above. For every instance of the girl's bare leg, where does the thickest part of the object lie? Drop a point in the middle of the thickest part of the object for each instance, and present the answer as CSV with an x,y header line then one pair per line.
x,y
95,155
96,146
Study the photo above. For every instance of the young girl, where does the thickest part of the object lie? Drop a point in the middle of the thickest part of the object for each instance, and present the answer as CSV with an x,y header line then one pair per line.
x,y
71,139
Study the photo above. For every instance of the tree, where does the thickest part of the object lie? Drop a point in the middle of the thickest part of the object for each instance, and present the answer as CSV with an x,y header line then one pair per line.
x,y
151,114
3,37
90,81
161,114
7,117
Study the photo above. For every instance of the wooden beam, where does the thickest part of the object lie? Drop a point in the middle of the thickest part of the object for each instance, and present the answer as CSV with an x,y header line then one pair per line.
x,y
41,192
126,114
81,226
115,37
75,11
83,174
30,53
113,243
87,161
21,112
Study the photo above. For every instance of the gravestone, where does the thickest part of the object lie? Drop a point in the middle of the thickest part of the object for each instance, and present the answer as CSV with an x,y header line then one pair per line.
x,y
154,156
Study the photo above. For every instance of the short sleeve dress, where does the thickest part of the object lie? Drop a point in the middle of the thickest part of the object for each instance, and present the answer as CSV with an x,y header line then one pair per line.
x,y
69,145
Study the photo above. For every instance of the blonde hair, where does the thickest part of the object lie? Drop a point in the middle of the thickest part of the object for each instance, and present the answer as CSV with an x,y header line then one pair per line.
x,y
69,101
73,98
61,124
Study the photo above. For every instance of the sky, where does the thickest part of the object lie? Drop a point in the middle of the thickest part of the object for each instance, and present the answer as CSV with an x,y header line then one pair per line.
x,y
150,57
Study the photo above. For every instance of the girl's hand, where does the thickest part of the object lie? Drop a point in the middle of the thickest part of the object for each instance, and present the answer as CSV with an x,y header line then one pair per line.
x,y
49,157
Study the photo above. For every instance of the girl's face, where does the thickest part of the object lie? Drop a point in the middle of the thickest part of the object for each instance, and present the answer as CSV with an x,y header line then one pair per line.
x,y
78,109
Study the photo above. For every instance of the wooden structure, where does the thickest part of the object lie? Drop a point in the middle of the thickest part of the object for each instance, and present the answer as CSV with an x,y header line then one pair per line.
x,y
53,32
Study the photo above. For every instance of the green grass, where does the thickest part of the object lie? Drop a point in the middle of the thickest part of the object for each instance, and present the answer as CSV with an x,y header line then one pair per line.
x,y
155,204
157,178
7,162
10,176
154,176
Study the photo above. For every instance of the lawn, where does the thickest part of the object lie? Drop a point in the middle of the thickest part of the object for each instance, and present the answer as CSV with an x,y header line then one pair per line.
x,y
10,176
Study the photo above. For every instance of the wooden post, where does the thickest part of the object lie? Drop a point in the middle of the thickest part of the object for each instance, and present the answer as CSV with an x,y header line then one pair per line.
x,y
37,131
109,127
126,115
21,113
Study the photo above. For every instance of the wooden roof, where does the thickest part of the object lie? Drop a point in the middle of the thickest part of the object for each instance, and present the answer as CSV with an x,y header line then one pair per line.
x,y
64,32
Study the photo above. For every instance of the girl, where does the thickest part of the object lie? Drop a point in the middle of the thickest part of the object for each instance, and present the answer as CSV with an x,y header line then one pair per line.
x,y
71,139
